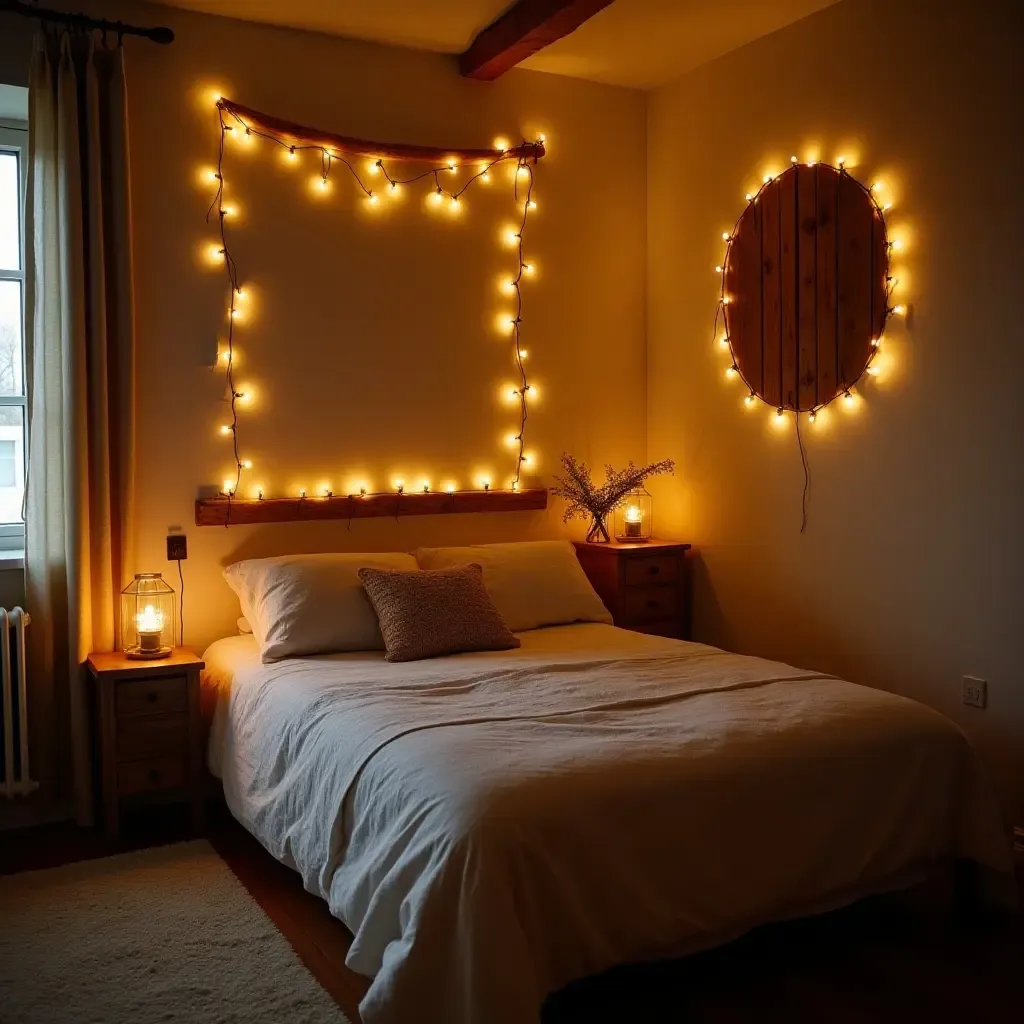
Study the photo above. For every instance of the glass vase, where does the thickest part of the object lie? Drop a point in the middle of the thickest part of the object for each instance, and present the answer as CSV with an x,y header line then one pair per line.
x,y
598,532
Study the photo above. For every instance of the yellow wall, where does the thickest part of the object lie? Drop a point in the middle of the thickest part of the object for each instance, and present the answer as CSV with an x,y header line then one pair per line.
x,y
909,573
372,345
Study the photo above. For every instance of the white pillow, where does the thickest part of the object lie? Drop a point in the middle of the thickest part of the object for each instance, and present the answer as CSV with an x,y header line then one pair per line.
x,y
535,583
311,604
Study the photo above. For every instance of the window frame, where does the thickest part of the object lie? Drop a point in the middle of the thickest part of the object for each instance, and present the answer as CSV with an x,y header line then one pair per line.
x,y
14,137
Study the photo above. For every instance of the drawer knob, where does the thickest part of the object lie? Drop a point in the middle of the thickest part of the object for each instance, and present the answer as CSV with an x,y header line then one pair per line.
x,y
653,570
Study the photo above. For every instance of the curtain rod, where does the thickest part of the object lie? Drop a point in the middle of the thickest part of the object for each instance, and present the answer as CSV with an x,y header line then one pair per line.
x,y
26,10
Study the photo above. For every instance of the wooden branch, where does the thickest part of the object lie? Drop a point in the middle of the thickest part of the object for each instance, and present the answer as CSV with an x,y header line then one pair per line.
x,y
525,28
299,134
244,512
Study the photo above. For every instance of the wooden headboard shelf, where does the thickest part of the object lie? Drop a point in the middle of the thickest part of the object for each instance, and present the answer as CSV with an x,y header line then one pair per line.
x,y
247,512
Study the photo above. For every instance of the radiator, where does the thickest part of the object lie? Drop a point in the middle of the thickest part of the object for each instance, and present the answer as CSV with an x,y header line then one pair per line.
x,y
15,779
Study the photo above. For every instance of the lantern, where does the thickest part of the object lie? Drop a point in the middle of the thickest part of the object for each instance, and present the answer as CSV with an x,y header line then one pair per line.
x,y
147,617
633,518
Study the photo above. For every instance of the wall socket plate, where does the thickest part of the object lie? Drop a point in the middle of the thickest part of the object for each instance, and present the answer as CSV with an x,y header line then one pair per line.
x,y
177,547
974,691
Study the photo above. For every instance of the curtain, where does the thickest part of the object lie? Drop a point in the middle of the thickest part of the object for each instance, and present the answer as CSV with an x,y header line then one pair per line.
x,y
80,356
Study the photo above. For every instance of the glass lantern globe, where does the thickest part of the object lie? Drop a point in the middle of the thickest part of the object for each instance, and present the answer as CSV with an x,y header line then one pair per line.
x,y
633,517
147,617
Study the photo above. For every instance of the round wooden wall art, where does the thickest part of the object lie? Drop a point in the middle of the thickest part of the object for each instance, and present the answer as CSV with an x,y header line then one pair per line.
x,y
806,287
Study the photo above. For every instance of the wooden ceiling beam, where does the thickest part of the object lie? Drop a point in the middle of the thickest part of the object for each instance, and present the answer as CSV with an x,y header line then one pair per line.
x,y
525,28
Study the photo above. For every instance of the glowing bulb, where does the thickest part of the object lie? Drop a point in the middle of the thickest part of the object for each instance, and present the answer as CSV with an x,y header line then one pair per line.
x,y
240,293
302,492
531,204
847,398
542,138
749,400
718,269
226,429
899,310
235,312
841,161
362,492
510,286
399,486
394,187
726,300
512,237
876,186
243,396
874,370
453,164
886,207
438,195
229,487
779,415
523,354
373,167
527,268
323,184
726,237
513,394
485,176
501,144
768,177
485,483
512,440
515,485
532,388
455,202
811,163
229,211
812,416
875,342
292,155
449,488
793,160
426,486
246,463
259,492
731,371
522,170
372,199
216,254
724,341
896,244
524,457
749,197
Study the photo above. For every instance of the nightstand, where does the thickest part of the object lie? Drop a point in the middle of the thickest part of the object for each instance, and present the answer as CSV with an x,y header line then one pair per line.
x,y
150,731
643,585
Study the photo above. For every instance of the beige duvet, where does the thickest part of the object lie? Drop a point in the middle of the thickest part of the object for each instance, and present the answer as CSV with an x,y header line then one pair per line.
x,y
492,826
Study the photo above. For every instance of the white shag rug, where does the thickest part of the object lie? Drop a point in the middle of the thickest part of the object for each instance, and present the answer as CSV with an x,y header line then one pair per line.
x,y
168,935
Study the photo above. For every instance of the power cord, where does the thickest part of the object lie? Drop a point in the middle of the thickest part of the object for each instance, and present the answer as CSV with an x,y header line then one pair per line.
x,y
181,606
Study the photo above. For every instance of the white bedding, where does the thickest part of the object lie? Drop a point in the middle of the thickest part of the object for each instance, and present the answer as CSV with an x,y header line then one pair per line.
x,y
492,826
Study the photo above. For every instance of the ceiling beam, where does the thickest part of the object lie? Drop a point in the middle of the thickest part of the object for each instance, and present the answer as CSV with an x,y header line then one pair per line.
x,y
526,27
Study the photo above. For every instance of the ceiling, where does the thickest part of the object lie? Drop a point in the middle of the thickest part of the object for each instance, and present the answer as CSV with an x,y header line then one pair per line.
x,y
637,43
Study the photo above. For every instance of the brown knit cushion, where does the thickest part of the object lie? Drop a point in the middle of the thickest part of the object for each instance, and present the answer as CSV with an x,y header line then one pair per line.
x,y
431,612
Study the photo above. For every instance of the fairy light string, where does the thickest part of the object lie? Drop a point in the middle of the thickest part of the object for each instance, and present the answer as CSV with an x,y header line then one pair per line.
x,y
891,283
845,388
233,120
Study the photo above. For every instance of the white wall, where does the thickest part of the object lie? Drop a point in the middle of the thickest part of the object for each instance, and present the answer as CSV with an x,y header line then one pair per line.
x,y
909,574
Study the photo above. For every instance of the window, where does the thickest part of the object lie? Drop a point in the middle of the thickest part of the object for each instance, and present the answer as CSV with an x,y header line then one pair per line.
x,y
13,174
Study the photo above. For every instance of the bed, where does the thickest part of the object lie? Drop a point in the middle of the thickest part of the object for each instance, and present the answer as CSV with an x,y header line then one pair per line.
x,y
492,826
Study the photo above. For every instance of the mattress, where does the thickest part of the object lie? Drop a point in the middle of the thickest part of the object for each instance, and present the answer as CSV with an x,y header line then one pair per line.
x,y
492,826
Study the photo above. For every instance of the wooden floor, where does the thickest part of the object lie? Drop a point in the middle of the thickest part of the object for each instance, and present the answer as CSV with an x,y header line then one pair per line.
x,y
882,960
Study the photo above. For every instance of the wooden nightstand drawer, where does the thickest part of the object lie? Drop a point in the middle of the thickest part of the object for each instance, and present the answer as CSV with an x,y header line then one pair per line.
x,y
643,569
150,742
153,736
152,696
151,775
644,604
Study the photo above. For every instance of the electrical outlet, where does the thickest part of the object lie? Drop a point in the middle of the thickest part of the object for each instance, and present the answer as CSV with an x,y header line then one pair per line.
x,y
974,691
177,547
